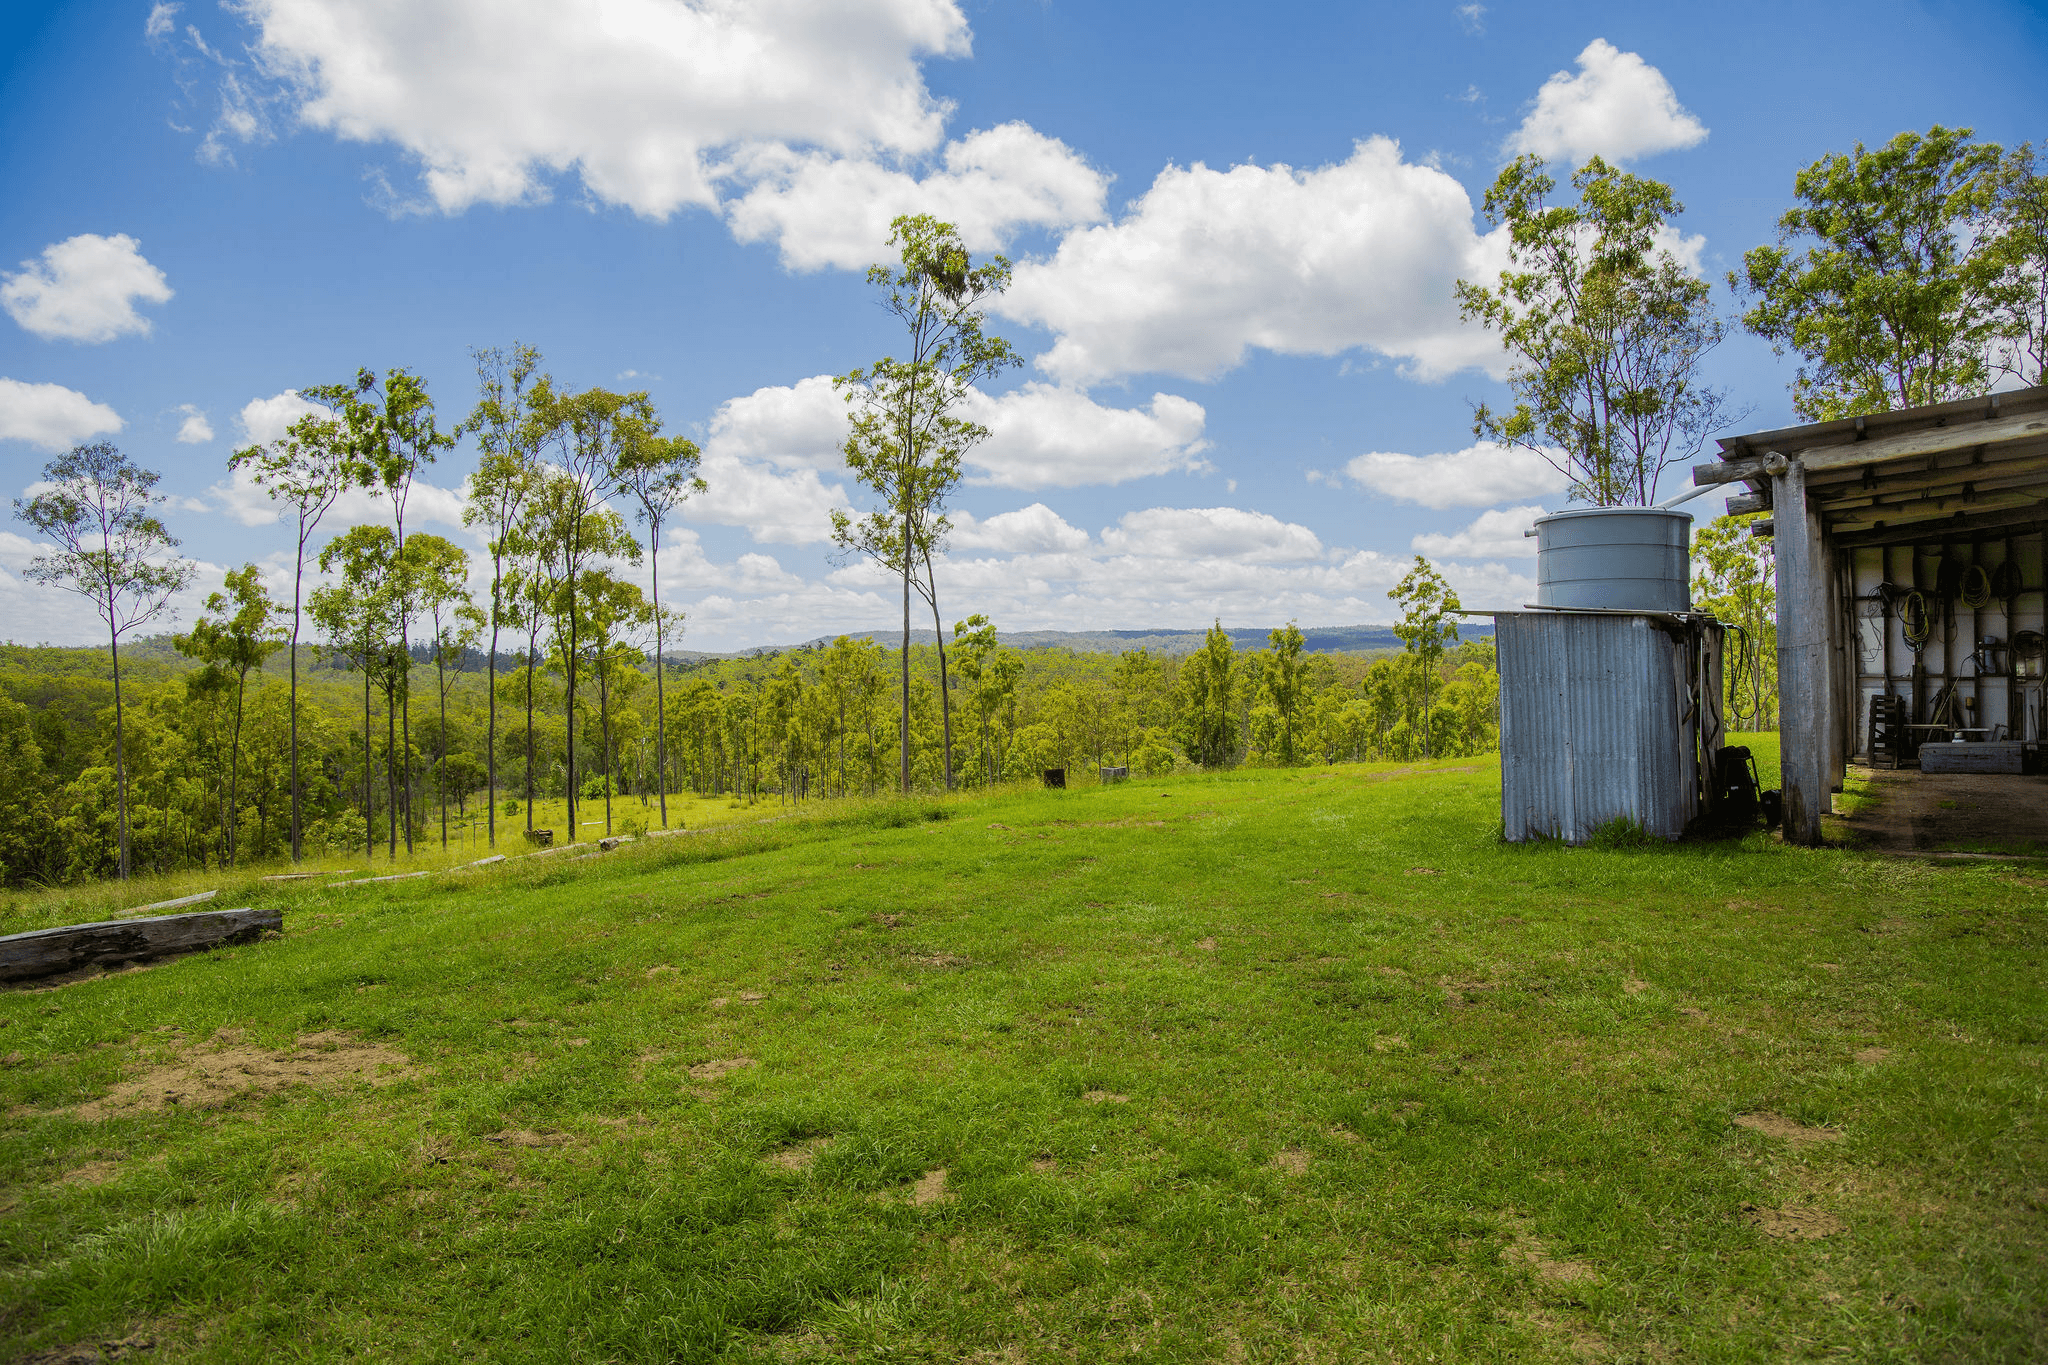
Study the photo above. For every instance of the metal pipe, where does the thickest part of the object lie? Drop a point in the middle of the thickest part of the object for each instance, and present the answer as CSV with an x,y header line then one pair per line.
x,y
1687,495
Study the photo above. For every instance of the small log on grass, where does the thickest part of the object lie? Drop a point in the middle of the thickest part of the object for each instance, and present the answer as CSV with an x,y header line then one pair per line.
x,y
182,901
49,952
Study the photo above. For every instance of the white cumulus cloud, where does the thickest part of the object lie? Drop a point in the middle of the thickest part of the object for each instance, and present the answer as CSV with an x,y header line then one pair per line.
x,y
824,210
1048,436
267,419
645,101
1492,535
194,429
162,16
1618,106
85,288
764,458
1192,533
52,416
1208,264
1477,476
1036,529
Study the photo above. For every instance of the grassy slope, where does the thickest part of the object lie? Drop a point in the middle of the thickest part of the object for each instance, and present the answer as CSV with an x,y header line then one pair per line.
x,y
1377,1086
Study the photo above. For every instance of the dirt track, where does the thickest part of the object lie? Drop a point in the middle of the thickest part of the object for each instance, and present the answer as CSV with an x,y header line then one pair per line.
x,y
1917,810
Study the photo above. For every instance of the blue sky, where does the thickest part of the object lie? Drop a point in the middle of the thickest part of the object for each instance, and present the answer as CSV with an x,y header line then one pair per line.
x,y
1246,397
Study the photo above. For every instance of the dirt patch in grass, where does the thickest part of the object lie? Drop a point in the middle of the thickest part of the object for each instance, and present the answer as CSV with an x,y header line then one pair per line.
x,y
526,1137
1792,1223
91,1173
1104,1097
1528,1250
718,1066
1291,1161
1207,945
800,1157
131,1347
198,1079
1788,1130
1871,1056
930,1189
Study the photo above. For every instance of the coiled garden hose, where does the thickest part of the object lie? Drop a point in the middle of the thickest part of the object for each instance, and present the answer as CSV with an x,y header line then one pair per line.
x,y
1976,587
1914,619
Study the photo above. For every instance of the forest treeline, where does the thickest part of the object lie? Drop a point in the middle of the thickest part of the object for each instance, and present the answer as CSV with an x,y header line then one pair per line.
x,y
801,725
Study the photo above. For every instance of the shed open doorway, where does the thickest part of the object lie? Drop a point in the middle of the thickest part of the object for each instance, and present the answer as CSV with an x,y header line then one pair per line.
x,y
1911,549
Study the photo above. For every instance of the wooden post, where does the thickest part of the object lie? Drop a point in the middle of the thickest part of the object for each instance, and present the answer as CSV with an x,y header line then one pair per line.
x,y
1805,690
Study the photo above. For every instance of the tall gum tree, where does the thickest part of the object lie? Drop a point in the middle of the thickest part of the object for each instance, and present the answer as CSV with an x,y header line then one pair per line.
x,y
660,473
306,470
1606,328
113,550
906,439
508,432
235,636
1882,280
591,434
355,613
1429,621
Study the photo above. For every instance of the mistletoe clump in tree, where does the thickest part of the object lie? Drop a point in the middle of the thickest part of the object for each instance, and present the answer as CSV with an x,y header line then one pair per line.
x,y
908,435
1607,328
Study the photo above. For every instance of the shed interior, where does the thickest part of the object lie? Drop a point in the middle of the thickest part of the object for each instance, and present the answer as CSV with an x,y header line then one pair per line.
x,y
1910,558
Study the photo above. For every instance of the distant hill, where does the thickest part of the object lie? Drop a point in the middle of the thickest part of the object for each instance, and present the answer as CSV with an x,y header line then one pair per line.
x,y
1160,640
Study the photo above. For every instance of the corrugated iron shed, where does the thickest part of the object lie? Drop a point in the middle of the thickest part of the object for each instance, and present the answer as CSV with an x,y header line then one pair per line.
x,y
1602,719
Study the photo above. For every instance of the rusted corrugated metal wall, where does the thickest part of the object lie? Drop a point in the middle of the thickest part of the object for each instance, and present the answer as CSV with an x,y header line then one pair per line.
x,y
1600,719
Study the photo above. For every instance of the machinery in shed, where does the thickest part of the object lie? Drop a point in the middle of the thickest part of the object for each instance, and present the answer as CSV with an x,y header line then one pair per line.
x,y
1611,684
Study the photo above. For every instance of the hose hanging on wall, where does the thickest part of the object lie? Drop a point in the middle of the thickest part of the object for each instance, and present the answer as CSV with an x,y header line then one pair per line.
x,y
1914,620
1976,588
2005,580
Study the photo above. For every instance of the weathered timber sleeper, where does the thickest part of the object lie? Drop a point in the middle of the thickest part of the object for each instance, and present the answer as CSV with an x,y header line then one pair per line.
x,y
49,952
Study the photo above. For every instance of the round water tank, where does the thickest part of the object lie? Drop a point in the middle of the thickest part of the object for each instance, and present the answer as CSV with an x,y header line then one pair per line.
x,y
1620,558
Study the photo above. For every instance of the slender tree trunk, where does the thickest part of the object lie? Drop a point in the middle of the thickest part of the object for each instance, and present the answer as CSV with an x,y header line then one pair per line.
x,y
905,736
604,730
491,725
235,770
369,772
945,696
391,768
298,576
441,780
569,666
120,751
531,651
660,715
405,721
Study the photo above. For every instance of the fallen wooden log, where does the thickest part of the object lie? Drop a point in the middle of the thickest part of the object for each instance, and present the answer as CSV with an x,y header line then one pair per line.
x,y
108,943
194,899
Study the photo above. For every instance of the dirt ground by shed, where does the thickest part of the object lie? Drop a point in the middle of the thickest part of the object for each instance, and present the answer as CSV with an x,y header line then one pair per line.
x,y
1916,811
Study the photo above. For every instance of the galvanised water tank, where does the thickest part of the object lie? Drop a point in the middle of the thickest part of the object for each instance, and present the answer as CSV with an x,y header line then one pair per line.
x,y
1620,558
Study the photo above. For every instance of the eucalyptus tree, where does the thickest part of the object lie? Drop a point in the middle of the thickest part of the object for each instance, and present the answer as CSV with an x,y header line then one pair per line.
x,y
308,469
113,550
907,437
614,614
1429,620
1607,329
236,635
1286,682
592,435
659,474
2019,224
358,615
1208,685
435,572
400,437
1884,279
509,432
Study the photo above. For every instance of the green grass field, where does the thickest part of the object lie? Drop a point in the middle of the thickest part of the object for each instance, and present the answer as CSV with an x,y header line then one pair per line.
x,y
1301,1066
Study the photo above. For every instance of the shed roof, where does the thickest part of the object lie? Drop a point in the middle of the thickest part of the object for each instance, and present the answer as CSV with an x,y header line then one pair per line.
x,y
1969,467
